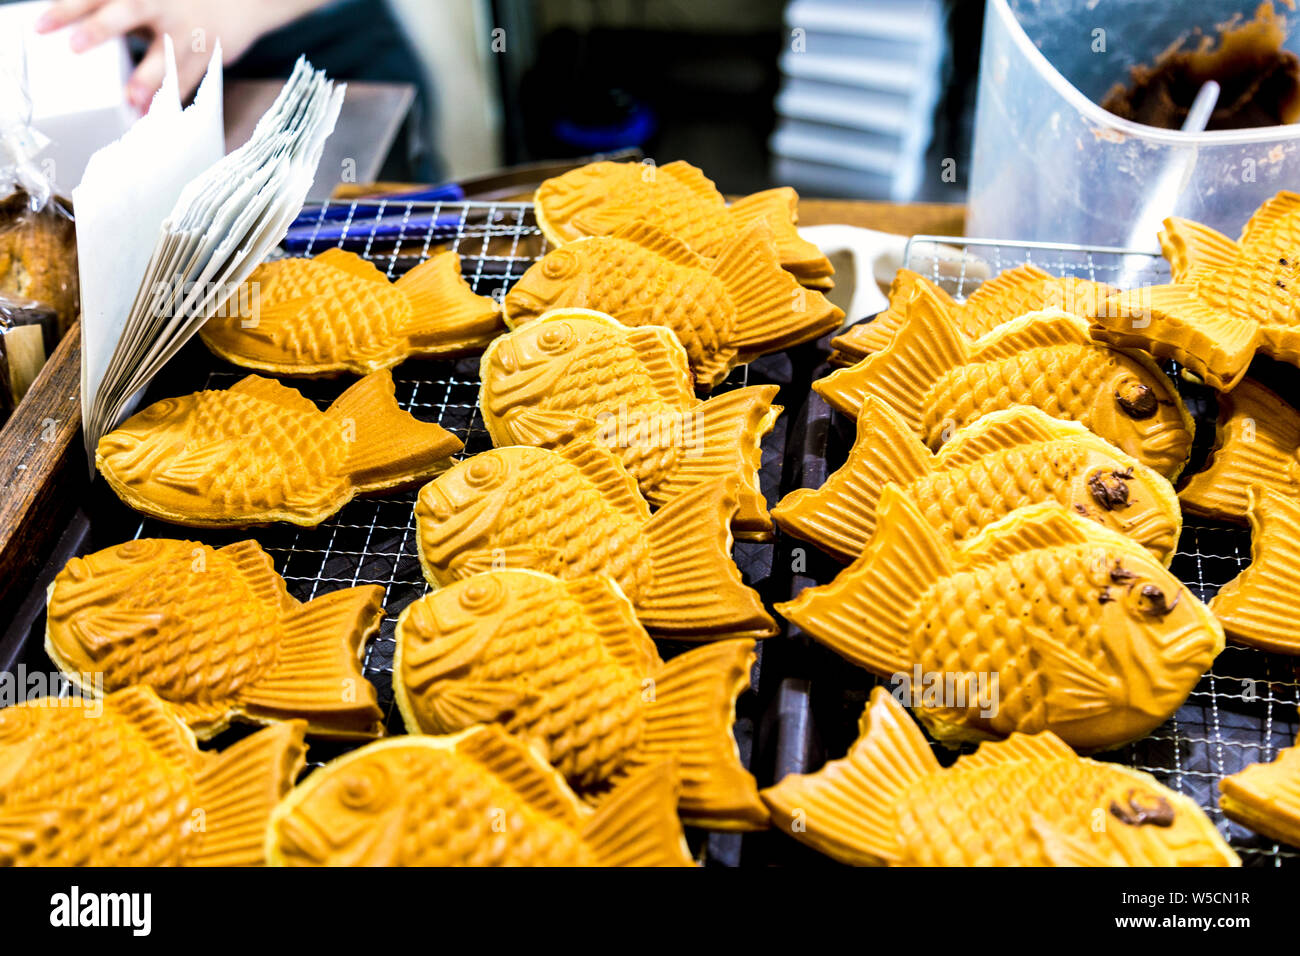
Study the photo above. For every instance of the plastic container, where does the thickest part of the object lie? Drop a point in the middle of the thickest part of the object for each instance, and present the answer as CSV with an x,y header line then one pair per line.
x,y
1050,164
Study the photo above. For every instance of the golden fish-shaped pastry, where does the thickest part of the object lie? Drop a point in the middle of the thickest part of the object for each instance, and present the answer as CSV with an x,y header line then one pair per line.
x,y
575,512
215,633
1266,797
1228,300
336,312
1003,461
565,667
1042,621
1258,607
260,452
476,798
118,781
596,199
996,302
1025,801
575,373
725,312
938,382
1256,448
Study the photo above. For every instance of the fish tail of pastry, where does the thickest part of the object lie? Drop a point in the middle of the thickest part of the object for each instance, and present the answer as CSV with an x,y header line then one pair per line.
x,y
691,717
1192,246
1258,606
1266,797
238,790
779,209
723,437
847,809
637,824
316,673
446,314
772,310
1255,444
863,614
840,516
696,591
1172,321
388,447
926,347
874,336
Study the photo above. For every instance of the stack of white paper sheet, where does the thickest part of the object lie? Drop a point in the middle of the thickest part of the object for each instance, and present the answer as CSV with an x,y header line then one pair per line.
x,y
168,229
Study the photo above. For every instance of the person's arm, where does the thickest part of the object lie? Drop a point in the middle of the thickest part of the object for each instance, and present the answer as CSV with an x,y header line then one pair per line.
x,y
194,25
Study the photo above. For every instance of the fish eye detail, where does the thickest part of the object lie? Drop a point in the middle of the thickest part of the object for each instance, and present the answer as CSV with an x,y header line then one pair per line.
x,y
481,595
1110,488
1136,399
1143,810
559,265
483,470
365,788
1151,601
140,549
556,337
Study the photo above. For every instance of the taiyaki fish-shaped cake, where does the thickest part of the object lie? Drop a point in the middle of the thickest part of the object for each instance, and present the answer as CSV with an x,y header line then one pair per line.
x,y
215,634
1256,447
596,199
1025,801
724,312
1266,797
476,798
575,512
1003,461
1227,300
1258,607
565,667
996,302
336,312
260,452
575,373
118,781
938,382
1044,620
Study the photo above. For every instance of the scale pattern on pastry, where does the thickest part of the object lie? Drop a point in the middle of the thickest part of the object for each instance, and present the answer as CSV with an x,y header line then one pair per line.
x,y
575,512
215,634
724,312
476,798
128,787
1043,621
336,312
575,373
260,452
1258,607
996,302
596,199
1227,300
938,382
1028,800
1003,461
565,667
1266,797
1256,447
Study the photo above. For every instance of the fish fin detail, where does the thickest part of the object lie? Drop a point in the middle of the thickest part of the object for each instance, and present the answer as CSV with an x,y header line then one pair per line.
x,y
542,428
874,336
203,717
351,263
1031,528
524,771
1077,689
240,787
389,446
599,466
316,673
1062,849
691,717
144,710
1190,246
772,310
779,209
269,390
32,834
848,808
98,629
723,437
520,557
665,361
696,589
614,621
1258,606
637,823
257,570
1006,289
864,613
661,242
189,469
1172,321
840,516
992,753
1041,329
1256,438
454,705
926,347
446,314
1271,230
999,431
269,323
